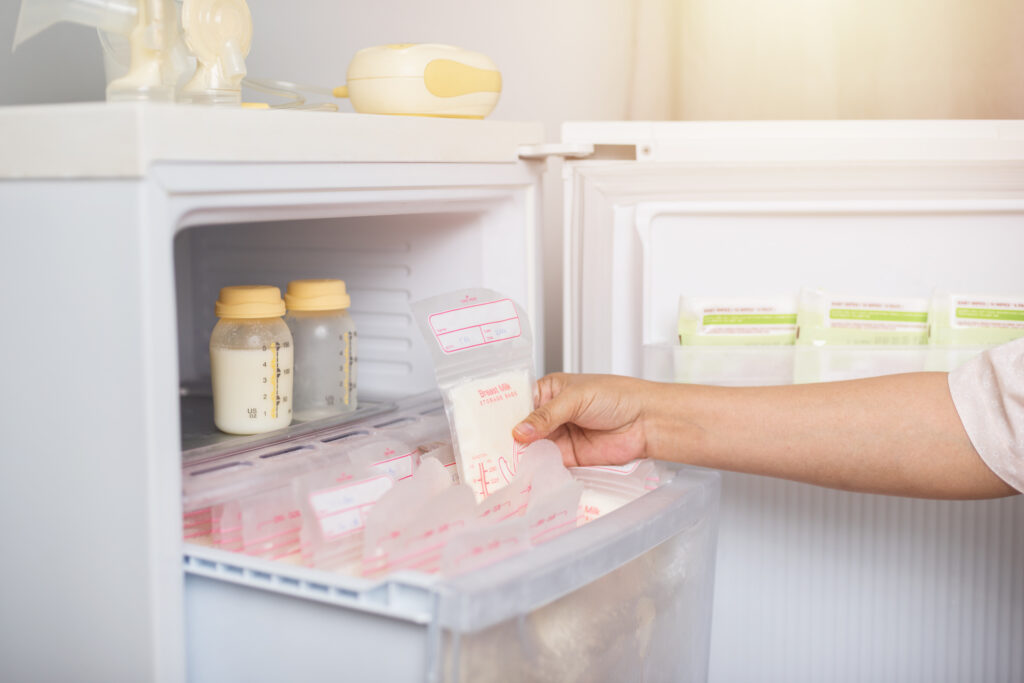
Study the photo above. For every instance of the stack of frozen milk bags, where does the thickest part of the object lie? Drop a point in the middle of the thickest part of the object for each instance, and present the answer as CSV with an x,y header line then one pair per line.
x,y
420,487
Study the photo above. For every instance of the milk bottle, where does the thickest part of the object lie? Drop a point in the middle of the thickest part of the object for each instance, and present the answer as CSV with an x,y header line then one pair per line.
x,y
325,348
251,361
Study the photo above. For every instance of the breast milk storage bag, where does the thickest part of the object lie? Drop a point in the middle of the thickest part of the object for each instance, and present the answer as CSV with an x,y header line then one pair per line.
x,y
483,357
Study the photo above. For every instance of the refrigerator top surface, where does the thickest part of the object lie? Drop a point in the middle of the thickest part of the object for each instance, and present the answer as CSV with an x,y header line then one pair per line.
x,y
121,140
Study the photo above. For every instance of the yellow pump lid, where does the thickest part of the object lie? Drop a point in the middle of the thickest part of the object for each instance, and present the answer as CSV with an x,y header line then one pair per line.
x,y
249,301
317,295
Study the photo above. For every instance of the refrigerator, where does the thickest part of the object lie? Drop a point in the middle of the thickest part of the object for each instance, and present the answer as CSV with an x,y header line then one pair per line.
x,y
123,221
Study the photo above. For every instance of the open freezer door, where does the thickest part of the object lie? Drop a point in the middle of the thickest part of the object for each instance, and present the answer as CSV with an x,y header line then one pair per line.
x,y
811,584
743,208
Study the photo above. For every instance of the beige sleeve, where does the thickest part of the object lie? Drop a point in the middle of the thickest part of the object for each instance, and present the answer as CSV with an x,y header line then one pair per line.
x,y
988,392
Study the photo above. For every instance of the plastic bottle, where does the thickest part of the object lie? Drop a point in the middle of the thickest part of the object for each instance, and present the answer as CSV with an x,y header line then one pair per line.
x,y
325,348
251,361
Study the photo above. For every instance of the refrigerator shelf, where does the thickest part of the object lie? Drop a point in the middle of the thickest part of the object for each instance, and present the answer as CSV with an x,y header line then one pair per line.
x,y
201,440
775,365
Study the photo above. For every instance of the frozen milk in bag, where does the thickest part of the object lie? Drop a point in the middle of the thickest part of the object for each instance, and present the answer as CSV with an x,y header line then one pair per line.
x,y
483,358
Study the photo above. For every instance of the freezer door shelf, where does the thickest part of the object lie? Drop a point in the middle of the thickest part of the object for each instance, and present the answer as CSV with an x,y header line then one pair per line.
x,y
625,597
776,365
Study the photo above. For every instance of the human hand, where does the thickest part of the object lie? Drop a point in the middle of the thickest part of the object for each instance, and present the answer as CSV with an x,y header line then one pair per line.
x,y
594,419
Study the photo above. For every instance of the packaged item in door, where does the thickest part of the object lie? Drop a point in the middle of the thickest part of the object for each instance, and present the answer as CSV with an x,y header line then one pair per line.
x,y
251,361
483,358
827,318
733,321
975,319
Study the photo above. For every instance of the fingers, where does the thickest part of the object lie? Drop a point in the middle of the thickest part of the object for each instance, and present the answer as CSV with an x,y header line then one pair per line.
x,y
550,386
561,407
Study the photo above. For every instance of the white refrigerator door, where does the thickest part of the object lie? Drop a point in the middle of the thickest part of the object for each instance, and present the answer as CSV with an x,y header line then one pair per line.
x,y
812,585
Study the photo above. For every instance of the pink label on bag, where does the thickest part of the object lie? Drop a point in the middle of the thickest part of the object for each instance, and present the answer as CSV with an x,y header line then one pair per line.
x,y
475,325
342,510
397,466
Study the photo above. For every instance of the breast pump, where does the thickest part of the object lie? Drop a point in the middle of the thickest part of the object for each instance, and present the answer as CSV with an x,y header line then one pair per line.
x,y
187,51
194,51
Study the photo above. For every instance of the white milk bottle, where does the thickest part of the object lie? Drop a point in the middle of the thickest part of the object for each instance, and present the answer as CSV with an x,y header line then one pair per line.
x,y
325,348
251,361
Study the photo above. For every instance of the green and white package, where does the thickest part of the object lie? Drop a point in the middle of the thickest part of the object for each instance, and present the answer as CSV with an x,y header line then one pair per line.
x,y
707,321
826,318
975,319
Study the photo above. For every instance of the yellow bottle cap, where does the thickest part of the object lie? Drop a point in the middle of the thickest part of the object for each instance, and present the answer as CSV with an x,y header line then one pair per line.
x,y
249,301
317,295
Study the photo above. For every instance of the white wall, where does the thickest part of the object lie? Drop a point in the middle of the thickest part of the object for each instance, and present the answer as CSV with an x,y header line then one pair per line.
x,y
560,60
62,64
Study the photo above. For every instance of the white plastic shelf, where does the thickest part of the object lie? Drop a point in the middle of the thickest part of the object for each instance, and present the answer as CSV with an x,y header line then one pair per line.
x,y
775,365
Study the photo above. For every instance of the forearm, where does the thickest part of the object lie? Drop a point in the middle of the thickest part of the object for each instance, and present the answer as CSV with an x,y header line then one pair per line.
x,y
897,435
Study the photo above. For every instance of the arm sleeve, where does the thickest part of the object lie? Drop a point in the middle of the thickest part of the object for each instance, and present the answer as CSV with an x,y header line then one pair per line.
x,y
988,392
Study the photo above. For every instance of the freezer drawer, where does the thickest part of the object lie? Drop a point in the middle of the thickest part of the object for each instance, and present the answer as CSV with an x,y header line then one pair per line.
x,y
626,597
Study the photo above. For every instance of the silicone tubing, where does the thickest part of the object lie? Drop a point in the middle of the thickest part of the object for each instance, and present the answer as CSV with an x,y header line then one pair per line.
x,y
292,92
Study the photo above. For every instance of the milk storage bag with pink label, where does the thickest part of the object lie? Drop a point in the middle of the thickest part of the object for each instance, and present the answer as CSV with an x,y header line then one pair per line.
x,y
483,358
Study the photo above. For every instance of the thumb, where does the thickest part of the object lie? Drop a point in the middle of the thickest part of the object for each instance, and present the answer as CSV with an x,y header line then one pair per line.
x,y
547,418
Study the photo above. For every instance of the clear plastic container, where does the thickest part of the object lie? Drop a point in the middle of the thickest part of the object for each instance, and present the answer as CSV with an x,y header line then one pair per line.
x,y
325,348
251,361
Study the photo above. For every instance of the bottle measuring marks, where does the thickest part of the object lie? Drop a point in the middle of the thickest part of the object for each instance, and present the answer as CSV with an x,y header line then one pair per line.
x,y
251,361
325,347
251,383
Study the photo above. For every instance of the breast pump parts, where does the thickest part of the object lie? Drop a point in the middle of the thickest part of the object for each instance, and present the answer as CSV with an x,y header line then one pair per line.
x,y
219,34
164,44
407,79
422,80
194,51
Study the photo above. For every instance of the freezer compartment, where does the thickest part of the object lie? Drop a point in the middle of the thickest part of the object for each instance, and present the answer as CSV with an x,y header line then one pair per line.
x,y
776,365
625,597
387,255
